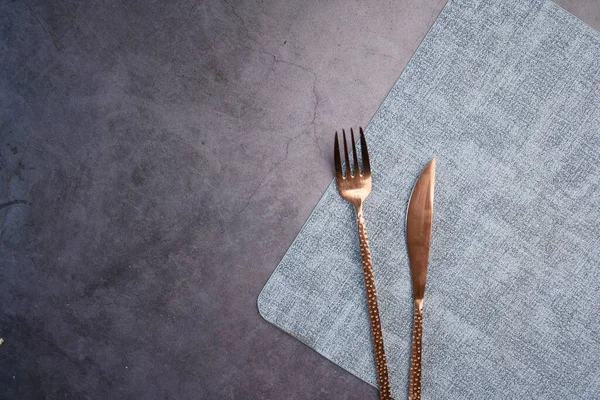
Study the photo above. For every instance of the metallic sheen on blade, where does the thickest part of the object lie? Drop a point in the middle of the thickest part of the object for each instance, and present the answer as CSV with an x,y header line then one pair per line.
x,y
418,228
418,234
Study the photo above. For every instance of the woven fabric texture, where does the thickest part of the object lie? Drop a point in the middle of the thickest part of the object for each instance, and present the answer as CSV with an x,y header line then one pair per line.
x,y
506,95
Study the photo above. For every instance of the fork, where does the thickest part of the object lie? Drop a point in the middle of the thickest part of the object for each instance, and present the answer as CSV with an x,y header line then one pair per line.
x,y
355,187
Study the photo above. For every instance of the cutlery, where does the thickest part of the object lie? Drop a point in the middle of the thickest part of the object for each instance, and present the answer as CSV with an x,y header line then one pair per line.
x,y
418,234
355,187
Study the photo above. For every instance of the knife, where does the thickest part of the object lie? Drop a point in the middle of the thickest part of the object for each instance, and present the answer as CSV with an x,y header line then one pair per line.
x,y
418,234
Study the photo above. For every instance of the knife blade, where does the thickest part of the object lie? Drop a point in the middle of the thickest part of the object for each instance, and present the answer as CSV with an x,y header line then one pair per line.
x,y
418,227
419,217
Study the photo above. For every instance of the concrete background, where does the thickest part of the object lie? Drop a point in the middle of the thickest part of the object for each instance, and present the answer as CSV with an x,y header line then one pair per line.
x,y
156,161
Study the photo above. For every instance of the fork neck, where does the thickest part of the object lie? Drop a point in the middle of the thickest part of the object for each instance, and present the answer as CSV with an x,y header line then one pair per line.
x,y
358,207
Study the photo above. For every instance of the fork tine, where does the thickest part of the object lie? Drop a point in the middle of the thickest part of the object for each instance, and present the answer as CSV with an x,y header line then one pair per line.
x,y
348,172
336,158
354,158
365,154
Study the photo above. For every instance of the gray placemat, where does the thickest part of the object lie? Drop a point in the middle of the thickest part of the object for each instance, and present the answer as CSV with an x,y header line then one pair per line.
x,y
506,96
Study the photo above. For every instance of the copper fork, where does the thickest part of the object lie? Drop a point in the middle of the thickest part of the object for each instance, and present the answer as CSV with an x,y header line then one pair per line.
x,y
355,187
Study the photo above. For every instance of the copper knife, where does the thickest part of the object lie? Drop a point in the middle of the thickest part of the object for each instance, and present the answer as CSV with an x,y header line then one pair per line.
x,y
418,235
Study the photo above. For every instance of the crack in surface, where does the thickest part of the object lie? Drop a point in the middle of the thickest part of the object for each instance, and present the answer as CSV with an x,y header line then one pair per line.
x,y
314,118
14,202
261,48
279,60
44,27
277,164
193,7
239,17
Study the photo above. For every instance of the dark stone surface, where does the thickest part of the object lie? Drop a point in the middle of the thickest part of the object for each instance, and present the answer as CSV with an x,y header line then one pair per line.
x,y
156,161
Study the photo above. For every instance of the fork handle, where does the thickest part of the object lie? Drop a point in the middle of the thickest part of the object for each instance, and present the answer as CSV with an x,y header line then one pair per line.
x,y
414,383
380,360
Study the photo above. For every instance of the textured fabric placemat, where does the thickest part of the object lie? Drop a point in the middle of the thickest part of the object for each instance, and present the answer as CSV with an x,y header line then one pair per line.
x,y
506,96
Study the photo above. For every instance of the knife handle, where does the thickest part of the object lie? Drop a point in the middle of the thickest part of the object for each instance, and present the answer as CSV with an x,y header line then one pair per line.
x,y
383,380
414,385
